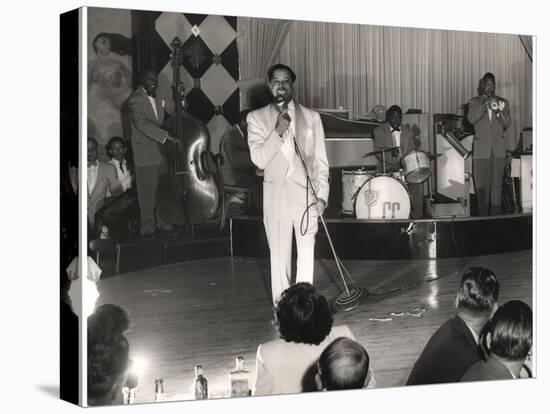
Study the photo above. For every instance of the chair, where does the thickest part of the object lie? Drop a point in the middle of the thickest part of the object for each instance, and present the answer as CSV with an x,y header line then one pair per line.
x,y
228,191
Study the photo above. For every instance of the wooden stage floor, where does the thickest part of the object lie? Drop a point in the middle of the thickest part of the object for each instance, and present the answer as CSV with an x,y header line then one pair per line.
x,y
209,311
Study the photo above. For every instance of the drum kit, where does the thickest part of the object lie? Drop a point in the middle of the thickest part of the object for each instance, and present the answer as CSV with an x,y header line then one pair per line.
x,y
367,194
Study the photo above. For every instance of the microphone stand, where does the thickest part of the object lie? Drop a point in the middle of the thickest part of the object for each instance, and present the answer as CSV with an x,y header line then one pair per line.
x,y
349,299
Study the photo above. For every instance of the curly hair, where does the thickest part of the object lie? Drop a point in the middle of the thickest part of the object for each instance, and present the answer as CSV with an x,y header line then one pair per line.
x,y
107,324
478,292
303,315
107,365
120,44
511,329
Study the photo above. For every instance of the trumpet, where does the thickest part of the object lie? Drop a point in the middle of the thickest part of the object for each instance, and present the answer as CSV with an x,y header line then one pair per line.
x,y
493,104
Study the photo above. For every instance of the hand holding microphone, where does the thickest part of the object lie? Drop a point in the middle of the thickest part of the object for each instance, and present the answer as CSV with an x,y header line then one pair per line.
x,y
283,120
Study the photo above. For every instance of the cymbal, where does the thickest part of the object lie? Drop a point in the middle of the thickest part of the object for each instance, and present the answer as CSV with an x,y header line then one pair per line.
x,y
368,154
433,156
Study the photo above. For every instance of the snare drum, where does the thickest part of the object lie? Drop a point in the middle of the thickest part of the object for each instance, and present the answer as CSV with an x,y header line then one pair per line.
x,y
383,197
416,165
398,175
352,181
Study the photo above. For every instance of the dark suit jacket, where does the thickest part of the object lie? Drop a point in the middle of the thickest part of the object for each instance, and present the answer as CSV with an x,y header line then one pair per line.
x,y
237,168
146,132
489,134
106,180
448,354
384,138
486,371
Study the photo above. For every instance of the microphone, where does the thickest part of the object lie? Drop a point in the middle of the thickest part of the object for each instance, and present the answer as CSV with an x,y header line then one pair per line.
x,y
282,104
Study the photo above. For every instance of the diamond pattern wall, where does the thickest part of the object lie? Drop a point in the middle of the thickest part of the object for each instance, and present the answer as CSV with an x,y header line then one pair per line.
x,y
210,68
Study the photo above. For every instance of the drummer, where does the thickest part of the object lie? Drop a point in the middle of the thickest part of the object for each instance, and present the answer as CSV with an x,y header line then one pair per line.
x,y
393,134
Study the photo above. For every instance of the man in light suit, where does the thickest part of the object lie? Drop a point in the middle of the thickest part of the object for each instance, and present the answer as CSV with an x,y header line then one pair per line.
x,y
393,134
490,116
101,179
291,201
147,115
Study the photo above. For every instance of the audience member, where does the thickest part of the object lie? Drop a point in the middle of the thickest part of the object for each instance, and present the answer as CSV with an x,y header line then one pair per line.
x,y
507,338
101,179
108,352
68,345
343,365
107,366
288,365
107,323
116,150
454,348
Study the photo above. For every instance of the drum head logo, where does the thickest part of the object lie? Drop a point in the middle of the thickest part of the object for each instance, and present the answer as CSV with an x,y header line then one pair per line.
x,y
371,197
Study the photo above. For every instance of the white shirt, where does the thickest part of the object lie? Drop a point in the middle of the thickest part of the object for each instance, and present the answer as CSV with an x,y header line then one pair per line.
x,y
92,176
397,137
123,173
476,336
153,103
288,146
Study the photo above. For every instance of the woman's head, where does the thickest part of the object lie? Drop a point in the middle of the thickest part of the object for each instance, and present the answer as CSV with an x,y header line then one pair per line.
x,y
102,44
509,333
303,315
107,323
107,366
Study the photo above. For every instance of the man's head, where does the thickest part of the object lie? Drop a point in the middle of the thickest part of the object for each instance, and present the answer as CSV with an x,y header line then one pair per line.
x,y
478,294
343,365
394,116
509,333
149,80
281,82
116,148
488,84
303,315
92,149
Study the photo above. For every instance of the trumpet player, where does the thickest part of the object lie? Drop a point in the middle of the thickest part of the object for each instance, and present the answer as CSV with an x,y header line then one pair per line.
x,y
490,116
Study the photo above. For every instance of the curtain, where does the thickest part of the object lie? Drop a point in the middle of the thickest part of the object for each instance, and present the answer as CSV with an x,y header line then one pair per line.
x,y
437,71
527,42
259,42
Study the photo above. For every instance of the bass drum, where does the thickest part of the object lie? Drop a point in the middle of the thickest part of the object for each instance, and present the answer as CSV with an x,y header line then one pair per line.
x,y
383,197
352,181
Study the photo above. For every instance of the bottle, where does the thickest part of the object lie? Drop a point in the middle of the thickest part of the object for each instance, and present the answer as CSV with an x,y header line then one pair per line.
x,y
239,379
200,384
159,389
129,388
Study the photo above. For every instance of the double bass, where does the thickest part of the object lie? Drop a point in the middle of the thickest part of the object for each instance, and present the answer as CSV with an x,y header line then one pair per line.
x,y
189,190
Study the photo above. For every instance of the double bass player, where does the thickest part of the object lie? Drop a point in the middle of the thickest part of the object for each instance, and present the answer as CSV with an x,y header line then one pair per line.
x,y
147,106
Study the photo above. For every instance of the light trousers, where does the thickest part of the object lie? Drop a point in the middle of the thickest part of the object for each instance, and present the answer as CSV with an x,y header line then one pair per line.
x,y
279,237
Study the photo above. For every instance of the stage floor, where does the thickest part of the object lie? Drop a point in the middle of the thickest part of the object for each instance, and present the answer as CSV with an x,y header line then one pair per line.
x,y
209,311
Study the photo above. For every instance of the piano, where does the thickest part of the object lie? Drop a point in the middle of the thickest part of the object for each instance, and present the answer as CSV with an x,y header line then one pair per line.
x,y
347,140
